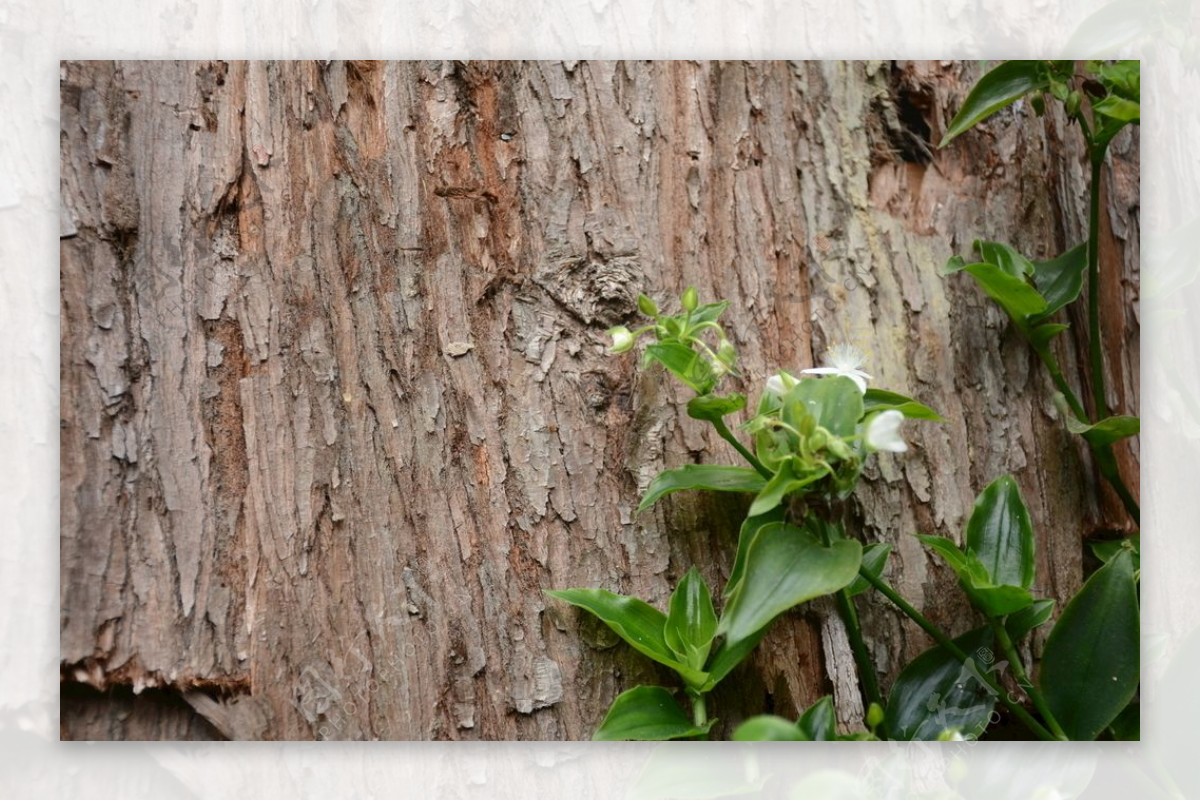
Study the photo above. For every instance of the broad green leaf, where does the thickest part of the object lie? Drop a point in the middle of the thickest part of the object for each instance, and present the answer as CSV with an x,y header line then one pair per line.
x,y
1118,109
1021,623
717,477
834,402
878,400
1041,335
1017,298
1000,534
647,713
1127,726
788,478
728,656
1000,87
634,621
691,620
714,407
1005,257
764,728
874,559
1060,280
1090,667
1122,77
936,691
998,601
1107,431
818,721
684,363
746,535
785,566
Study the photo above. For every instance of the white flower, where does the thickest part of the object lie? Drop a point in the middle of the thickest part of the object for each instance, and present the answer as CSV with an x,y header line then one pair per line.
x,y
779,384
883,432
622,339
844,360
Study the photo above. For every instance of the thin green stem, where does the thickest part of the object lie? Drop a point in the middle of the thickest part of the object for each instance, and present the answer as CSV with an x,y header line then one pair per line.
x,y
862,657
699,710
1014,659
728,436
1056,376
941,638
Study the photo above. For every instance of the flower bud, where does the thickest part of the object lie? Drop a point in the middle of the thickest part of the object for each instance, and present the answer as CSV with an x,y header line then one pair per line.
x,y
883,432
622,339
647,306
690,299
726,353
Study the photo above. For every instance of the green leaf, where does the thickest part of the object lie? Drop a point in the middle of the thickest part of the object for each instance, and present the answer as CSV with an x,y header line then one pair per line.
x,y
709,312
1026,620
789,478
647,713
1000,534
714,407
1060,280
878,400
785,566
1017,298
764,728
997,89
691,621
716,477
1118,109
874,559
1090,667
746,535
1107,549
936,692
1004,257
991,599
684,363
1123,78
1106,431
728,656
634,621
818,721
1040,336
834,402
1127,726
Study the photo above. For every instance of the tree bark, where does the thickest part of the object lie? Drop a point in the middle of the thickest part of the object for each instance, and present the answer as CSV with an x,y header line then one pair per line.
x,y
336,406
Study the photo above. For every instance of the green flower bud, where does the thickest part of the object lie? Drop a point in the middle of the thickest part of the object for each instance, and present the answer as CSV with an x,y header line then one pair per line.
x,y
807,425
817,440
647,306
690,299
1039,104
622,339
1073,101
874,716
726,353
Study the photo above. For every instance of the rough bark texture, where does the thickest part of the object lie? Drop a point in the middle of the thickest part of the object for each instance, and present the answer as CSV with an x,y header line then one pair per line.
x,y
336,405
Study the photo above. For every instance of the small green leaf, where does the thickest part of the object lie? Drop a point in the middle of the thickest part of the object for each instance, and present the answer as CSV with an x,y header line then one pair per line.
x,y
785,566
1118,109
1017,298
1040,336
997,89
953,265
1000,534
634,621
1026,620
1107,431
691,620
818,721
684,363
714,407
709,312
878,400
647,713
764,728
1004,257
715,477
1107,549
789,478
993,600
1090,667
728,656
936,691
1060,280
874,559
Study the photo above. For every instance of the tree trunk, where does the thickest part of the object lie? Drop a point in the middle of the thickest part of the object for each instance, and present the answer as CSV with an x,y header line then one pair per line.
x,y
336,406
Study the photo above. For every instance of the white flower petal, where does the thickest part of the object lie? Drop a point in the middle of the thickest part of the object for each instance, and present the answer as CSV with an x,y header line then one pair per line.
x,y
883,432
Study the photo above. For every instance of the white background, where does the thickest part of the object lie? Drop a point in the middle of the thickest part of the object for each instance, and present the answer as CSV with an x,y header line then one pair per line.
x,y
35,35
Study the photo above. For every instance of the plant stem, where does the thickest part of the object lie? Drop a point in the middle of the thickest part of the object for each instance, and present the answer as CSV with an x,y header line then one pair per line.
x,y
943,640
1060,383
699,710
728,436
1093,254
1014,659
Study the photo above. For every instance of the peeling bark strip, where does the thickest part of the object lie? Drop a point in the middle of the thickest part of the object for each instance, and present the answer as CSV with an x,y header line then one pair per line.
x,y
336,406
